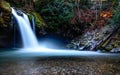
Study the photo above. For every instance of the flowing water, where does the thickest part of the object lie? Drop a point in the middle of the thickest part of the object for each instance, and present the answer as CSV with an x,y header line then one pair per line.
x,y
33,24
30,41
37,66
28,37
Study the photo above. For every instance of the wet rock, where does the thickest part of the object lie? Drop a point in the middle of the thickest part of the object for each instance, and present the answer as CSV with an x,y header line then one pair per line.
x,y
38,19
115,50
52,67
19,12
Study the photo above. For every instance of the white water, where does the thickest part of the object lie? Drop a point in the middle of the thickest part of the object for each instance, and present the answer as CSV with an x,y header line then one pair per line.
x,y
33,24
30,42
28,37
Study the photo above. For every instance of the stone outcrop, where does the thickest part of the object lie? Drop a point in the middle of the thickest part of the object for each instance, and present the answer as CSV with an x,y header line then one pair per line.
x,y
105,40
5,13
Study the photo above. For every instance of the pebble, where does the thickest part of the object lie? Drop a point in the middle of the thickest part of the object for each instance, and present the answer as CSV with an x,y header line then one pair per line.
x,y
59,67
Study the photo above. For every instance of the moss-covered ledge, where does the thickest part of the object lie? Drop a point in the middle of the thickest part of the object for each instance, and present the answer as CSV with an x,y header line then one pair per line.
x,y
5,6
5,13
38,19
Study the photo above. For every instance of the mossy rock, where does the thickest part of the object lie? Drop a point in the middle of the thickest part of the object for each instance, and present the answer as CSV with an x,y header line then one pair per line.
x,y
5,11
1,21
109,48
39,21
5,6
115,44
102,47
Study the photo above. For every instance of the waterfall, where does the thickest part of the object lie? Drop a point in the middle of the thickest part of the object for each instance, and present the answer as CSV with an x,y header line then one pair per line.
x,y
33,24
28,37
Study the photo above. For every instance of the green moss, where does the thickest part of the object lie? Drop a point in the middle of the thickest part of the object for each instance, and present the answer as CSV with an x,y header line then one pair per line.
x,y
101,47
109,48
5,13
30,16
1,21
115,44
5,5
39,21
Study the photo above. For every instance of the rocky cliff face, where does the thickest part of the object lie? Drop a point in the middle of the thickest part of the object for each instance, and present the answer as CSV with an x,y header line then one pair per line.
x,y
5,20
105,40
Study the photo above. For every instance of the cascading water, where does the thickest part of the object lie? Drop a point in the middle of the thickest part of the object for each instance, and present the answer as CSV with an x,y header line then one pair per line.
x,y
31,44
28,37
33,24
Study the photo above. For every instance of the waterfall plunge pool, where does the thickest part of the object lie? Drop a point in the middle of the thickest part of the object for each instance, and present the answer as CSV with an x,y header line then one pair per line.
x,y
31,47
35,53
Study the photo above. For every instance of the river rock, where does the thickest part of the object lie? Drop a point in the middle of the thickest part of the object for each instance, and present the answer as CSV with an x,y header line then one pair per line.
x,y
115,50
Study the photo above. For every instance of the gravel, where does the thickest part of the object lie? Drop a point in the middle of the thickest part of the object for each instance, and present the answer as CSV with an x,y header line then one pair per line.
x,y
60,66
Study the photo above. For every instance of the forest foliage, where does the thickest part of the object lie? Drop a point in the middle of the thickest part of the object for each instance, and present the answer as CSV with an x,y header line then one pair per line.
x,y
58,15
70,17
78,14
116,18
